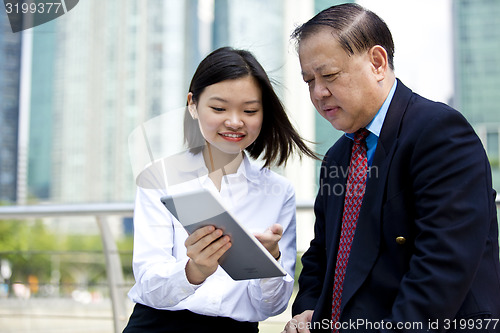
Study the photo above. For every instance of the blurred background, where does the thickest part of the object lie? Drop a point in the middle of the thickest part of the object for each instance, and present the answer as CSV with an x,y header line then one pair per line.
x,y
72,90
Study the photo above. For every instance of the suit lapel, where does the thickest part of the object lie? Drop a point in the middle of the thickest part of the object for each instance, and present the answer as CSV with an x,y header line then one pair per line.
x,y
366,242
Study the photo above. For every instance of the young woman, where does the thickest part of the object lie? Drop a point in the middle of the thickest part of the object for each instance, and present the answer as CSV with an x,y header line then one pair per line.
x,y
232,114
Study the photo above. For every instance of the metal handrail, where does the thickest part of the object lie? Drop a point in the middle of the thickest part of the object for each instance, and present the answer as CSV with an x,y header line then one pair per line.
x,y
86,209
52,210
99,211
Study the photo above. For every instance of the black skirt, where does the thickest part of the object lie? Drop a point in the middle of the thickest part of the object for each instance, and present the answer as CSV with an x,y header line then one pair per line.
x,y
149,320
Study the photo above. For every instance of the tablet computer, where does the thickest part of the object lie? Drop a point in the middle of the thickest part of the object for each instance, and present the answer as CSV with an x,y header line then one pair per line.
x,y
247,258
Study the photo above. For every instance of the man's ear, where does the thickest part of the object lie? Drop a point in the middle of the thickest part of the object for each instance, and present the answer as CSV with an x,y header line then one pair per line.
x,y
192,106
379,61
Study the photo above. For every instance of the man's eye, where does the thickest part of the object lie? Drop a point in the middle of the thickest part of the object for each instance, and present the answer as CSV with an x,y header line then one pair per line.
x,y
330,76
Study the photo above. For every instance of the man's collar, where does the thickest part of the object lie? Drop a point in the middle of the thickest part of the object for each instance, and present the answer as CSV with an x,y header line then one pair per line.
x,y
375,126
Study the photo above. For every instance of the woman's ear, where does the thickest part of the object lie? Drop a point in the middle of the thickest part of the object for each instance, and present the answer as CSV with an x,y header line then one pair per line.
x,y
192,106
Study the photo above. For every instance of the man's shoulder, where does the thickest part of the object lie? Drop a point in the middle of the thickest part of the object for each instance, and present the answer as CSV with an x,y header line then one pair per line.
x,y
422,111
418,108
410,113
338,150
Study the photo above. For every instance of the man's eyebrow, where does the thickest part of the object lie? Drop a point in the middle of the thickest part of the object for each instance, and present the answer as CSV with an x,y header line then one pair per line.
x,y
317,69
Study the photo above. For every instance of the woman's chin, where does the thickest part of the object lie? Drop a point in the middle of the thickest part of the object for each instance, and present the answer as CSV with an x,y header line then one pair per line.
x,y
230,149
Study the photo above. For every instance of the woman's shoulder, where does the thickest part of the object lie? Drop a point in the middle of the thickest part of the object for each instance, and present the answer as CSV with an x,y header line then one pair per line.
x,y
171,170
266,176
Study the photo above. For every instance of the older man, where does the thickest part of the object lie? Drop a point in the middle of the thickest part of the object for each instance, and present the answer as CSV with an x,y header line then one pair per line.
x,y
411,243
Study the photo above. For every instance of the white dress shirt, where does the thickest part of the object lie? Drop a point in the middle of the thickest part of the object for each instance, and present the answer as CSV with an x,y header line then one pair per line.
x,y
257,197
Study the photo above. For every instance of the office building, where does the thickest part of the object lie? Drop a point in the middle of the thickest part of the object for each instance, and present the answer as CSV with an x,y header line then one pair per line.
x,y
10,67
98,72
477,73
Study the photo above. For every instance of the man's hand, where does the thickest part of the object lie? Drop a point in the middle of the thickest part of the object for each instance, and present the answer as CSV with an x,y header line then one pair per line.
x,y
204,247
270,239
299,323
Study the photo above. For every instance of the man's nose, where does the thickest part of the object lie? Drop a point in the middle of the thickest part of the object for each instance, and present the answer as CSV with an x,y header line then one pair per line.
x,y
320,91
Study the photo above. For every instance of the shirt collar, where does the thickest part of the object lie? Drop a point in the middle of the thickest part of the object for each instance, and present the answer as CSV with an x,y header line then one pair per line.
x,y
375,126
194,163
249,171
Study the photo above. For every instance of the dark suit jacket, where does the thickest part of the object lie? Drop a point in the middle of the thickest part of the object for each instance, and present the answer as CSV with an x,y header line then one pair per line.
x,y
430,183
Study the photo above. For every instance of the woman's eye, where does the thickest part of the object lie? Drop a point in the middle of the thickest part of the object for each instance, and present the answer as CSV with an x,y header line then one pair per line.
x,y
217,109
251,111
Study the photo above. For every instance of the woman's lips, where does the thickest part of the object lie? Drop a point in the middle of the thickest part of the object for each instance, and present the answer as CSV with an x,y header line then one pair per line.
x,y
233,137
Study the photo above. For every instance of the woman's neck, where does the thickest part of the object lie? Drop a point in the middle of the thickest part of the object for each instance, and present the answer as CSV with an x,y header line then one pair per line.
x,y
220,164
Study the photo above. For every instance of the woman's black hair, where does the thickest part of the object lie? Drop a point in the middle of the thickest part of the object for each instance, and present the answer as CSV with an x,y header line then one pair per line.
x,y
278,138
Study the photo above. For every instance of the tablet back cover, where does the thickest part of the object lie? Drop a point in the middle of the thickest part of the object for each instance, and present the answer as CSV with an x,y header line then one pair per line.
x,y
247,258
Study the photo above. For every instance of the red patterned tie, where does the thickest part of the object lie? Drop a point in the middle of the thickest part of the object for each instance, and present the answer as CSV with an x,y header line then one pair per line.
x,y
356,183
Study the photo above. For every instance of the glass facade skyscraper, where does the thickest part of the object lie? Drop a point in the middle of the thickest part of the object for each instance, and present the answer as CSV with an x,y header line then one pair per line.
x,y
97,73
41,115
477,71
10,65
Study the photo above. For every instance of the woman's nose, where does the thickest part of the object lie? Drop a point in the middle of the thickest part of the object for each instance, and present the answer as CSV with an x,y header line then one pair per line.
x,y
234,122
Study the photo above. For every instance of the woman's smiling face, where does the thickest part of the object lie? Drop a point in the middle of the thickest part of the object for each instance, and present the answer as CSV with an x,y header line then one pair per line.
x,y
229,113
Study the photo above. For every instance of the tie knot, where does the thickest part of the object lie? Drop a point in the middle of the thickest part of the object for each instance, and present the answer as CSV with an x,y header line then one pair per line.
x,y
360,135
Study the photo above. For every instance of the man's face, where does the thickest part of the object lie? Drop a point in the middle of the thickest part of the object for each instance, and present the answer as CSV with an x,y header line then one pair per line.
x,y
344,89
